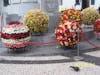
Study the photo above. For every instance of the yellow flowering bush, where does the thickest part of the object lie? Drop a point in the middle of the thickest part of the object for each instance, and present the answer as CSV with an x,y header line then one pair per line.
x,y
36,20
90,15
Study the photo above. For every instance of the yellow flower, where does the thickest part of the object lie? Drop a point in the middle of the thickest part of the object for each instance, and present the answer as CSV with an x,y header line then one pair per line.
x,y
36,20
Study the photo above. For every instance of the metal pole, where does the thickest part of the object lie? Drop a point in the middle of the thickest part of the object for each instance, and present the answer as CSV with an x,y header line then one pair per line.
x,y
78,46
78,57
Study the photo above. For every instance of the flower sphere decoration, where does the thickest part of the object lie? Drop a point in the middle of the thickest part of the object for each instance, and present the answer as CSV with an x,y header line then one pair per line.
x,y
90,15
67,33
97,26
71,14
36,20
14,34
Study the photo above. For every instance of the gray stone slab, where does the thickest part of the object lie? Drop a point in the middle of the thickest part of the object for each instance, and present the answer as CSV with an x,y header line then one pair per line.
x,y
53,22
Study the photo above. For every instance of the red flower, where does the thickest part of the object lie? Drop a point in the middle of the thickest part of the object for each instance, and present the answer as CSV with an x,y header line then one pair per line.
x,y
97,26
66,34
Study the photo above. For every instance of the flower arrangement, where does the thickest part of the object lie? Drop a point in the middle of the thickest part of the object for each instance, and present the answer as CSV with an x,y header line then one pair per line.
x,y
97,26
90,15
36,20
67,33
13,33
71,14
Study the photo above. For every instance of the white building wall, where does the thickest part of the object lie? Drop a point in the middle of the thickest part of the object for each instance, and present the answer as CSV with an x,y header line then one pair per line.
x,y
70,3
97,4
20,7
67,3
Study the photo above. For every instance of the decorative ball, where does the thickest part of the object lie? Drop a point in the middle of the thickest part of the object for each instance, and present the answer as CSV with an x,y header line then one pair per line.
x,y
14,34
36,20
71,14
90,15
67,33
97,26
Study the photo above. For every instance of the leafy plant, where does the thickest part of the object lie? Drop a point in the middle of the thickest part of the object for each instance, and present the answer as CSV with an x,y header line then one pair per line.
x,y
36,20
90,15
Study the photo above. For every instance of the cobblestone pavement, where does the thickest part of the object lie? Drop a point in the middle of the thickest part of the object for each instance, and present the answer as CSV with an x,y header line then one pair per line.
x,y
50,65
45,69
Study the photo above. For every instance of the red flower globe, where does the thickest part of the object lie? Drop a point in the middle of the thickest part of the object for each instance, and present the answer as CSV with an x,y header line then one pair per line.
x,y
71,14
13,33
67,33
97,26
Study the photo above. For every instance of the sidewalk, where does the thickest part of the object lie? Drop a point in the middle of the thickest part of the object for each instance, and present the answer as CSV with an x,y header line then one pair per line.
x,y
46,69
50,65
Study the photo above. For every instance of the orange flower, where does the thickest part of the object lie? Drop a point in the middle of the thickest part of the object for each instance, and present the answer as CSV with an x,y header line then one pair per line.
x,y
71,14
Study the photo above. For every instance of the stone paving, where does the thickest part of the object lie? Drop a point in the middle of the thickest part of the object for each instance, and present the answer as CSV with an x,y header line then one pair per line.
x,y
10,65
46,69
